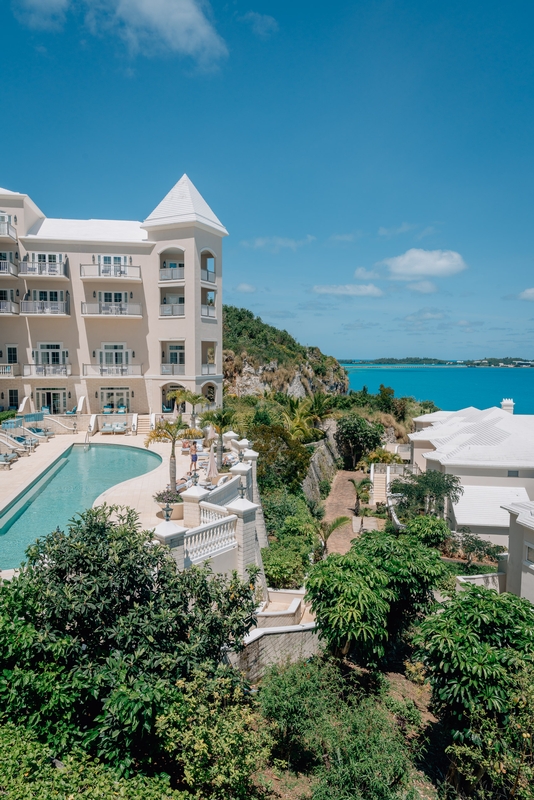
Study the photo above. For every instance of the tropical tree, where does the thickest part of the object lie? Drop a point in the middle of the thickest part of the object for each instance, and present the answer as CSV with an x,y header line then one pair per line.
x,y
326,529
432,531
298,419
221,420
426,493
355,437
361,490
321,406
186,396
166,431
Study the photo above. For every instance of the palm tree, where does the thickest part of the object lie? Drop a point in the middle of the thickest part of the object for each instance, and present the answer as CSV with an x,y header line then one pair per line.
x,y
221,419
186,396
297,418
361,488
321,406
168,432
326,529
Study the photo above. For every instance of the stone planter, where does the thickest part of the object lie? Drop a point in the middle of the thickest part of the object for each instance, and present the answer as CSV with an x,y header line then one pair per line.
x,y
177,510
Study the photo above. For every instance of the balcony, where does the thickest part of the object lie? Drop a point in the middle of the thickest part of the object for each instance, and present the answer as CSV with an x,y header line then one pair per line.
x,y
123,272
7,231
166,275
46,370
173,369
207,311
8,269
8,307
36,269
99,370
112,310
207,275
172,310
45,308
9,370
208,369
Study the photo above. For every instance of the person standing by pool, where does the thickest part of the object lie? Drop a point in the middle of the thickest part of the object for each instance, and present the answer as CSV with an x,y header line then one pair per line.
x,y
194,456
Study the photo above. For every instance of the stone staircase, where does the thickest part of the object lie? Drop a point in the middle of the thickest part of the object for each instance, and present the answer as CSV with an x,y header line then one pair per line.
x,y
143,425
379,487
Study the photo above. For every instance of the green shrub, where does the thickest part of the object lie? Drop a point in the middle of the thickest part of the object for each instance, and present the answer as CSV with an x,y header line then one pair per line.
x,y
7,415
279,504
324,488
284,568
432,531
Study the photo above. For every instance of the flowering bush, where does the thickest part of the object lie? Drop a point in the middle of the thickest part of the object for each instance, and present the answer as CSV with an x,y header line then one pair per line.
x,y
168,496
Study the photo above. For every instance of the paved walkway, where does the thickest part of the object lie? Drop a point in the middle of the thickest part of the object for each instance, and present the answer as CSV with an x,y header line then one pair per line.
x,y
340,502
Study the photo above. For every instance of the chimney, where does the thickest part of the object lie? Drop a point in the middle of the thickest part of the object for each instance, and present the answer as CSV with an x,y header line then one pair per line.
x,y
507,404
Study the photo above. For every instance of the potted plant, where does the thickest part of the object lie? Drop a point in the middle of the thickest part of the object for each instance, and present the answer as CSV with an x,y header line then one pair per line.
x,y
173,499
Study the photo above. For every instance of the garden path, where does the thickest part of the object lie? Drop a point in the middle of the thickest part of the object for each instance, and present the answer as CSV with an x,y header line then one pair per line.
x,y
340,502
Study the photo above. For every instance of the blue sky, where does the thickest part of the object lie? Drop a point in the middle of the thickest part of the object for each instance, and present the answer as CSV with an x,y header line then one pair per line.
x,y
372,160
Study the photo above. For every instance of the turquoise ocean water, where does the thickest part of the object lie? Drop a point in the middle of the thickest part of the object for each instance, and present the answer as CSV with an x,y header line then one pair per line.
x,y
71,485
451,388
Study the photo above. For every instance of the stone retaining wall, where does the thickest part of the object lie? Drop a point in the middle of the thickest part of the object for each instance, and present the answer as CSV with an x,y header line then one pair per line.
x,y
267,646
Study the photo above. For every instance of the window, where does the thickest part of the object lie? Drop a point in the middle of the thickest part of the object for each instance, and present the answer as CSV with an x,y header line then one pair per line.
x,y
176,354
113,297
529,553
114,354
48,297
13,398
50,353
115,398
12,355
513,473
6,256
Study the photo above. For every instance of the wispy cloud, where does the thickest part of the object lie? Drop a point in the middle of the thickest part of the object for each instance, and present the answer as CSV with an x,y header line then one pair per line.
x,y
425,314
352,289
277,243
404,228
339,238
423,287
365,274
358,325
262,24
527,294
417,263
149,27
430,230
245,288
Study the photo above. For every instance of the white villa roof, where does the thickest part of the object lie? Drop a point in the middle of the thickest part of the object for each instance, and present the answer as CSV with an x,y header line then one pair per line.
x,y
6,191
184,205
524,511
483,505
87,230
491,437
434,416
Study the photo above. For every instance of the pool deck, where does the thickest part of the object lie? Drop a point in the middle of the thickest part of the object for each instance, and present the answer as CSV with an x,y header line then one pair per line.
x,y
136,492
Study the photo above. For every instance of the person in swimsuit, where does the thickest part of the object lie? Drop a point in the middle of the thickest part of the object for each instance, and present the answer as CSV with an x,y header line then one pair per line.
x,y
194,457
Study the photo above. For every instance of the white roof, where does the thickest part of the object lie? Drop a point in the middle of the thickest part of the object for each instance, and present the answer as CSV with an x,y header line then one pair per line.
x,y
87,230
7,191
434,416
524,511
184,205
482,505
488,438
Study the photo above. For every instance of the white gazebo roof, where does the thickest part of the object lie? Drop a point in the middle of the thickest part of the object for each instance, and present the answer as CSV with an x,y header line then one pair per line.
x,y
184,205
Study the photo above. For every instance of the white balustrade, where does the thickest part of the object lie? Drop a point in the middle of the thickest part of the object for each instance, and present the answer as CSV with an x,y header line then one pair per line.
x,y
209,512
210,540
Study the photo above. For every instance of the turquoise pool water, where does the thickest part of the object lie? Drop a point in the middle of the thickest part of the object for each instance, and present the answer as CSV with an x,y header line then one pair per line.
x,y
70,485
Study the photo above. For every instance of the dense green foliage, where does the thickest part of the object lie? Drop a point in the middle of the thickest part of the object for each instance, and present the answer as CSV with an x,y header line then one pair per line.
x,y
324,724
355,437
283,461
431,531
293,531
7,415
242,331
98,628
426,493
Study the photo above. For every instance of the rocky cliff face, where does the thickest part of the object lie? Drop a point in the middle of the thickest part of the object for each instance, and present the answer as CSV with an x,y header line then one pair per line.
x,y
243,378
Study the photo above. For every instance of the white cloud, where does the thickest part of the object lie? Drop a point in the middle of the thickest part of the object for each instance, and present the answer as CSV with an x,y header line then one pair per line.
x,y
147,26
41,13
423,287
277,243
425,314
417,263
352,289
430,230
404,228
262,24
528,294
365,274
345,237
245,288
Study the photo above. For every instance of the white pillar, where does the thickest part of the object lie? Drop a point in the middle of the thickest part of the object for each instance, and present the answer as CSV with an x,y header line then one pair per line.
x,y
245,471
172,535
192,498
245,512
261,530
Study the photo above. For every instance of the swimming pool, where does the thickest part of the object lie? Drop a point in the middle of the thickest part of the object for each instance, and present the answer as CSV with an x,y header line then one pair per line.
x,y
70,485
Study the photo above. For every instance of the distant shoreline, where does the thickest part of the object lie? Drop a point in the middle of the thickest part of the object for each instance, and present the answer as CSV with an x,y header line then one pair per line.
x,y
371,365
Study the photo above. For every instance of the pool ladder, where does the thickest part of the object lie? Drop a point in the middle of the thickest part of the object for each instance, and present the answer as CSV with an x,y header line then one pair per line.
x,y
86,444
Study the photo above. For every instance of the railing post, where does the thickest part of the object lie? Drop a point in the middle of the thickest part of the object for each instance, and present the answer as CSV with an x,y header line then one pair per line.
x,y
172,535
192,498
245,471
252,457
245,533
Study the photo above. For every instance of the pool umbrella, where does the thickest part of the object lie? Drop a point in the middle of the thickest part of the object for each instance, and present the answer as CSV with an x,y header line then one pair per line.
x,y
212,473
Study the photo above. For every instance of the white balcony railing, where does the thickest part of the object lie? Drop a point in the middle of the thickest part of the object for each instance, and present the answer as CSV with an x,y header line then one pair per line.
x,y
9,370
7,231
207,311
173,369
8,268
40,270
44,370
44,307
208,369
206,275
209,512
112,309
172,310
124,271
209,540
171,274
8,307
97,370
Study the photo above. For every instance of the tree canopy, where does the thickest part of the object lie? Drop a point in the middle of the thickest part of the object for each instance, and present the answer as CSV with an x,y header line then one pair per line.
x,y
426,493
355,437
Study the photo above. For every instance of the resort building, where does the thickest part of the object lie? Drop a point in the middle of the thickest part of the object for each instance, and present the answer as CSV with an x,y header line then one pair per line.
x,y
491,451
110,314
